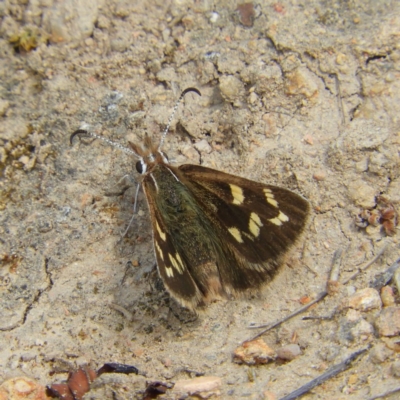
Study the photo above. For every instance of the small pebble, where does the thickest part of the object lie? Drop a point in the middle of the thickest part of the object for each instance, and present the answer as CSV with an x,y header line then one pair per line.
x,y
388,322
28,357
246,13
253,98
319,175
198,386
267,395
362,194
353,378
308,139
22,388
363,330
341,59
203,146
387,296
231,88
214,17
396,369
365,300
353,316
380,353
254,352
302,81
289,352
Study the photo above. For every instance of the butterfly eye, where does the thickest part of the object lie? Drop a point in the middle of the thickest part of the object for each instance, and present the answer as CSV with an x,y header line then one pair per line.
x,y
139,167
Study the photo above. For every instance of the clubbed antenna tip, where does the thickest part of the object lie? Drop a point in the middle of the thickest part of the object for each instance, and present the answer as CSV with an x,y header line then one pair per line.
x,y
83,132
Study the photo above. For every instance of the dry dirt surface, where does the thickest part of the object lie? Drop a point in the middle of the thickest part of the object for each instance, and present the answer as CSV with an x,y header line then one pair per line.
x,y
299,94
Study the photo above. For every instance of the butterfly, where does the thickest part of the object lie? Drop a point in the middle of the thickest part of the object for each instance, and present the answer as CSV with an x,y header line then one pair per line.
x,y
215,234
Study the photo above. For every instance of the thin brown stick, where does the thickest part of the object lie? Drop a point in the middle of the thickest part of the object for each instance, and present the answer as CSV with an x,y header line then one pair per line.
x,y
333,371
334,274
383,278
336,263
383,395
335,266
268,327
340,101
367,264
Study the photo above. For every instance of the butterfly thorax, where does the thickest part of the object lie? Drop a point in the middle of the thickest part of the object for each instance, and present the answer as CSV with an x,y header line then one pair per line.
x,y
183,237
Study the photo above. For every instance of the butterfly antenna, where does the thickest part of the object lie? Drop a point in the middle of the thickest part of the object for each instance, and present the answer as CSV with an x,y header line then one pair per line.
x,y
173,113
84,132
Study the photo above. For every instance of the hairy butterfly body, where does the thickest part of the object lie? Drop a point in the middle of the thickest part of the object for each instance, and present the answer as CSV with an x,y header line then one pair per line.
x,y
214,234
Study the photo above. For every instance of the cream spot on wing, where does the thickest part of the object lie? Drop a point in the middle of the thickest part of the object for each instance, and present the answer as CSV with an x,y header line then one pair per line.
x,y
236,234
255,224
276,221
169,272
273,202
158,250
177,263
283,217
279,219
180,264
270,197
237,194
160,232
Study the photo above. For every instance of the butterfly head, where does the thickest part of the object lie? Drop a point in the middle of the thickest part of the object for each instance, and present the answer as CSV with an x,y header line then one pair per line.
x,y
149,155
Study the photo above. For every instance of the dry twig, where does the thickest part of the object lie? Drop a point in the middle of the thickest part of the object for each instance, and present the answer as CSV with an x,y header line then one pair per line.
x,y
336,369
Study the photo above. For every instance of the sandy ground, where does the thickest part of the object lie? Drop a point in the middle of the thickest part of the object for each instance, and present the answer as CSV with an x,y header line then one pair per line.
x,y
306,97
